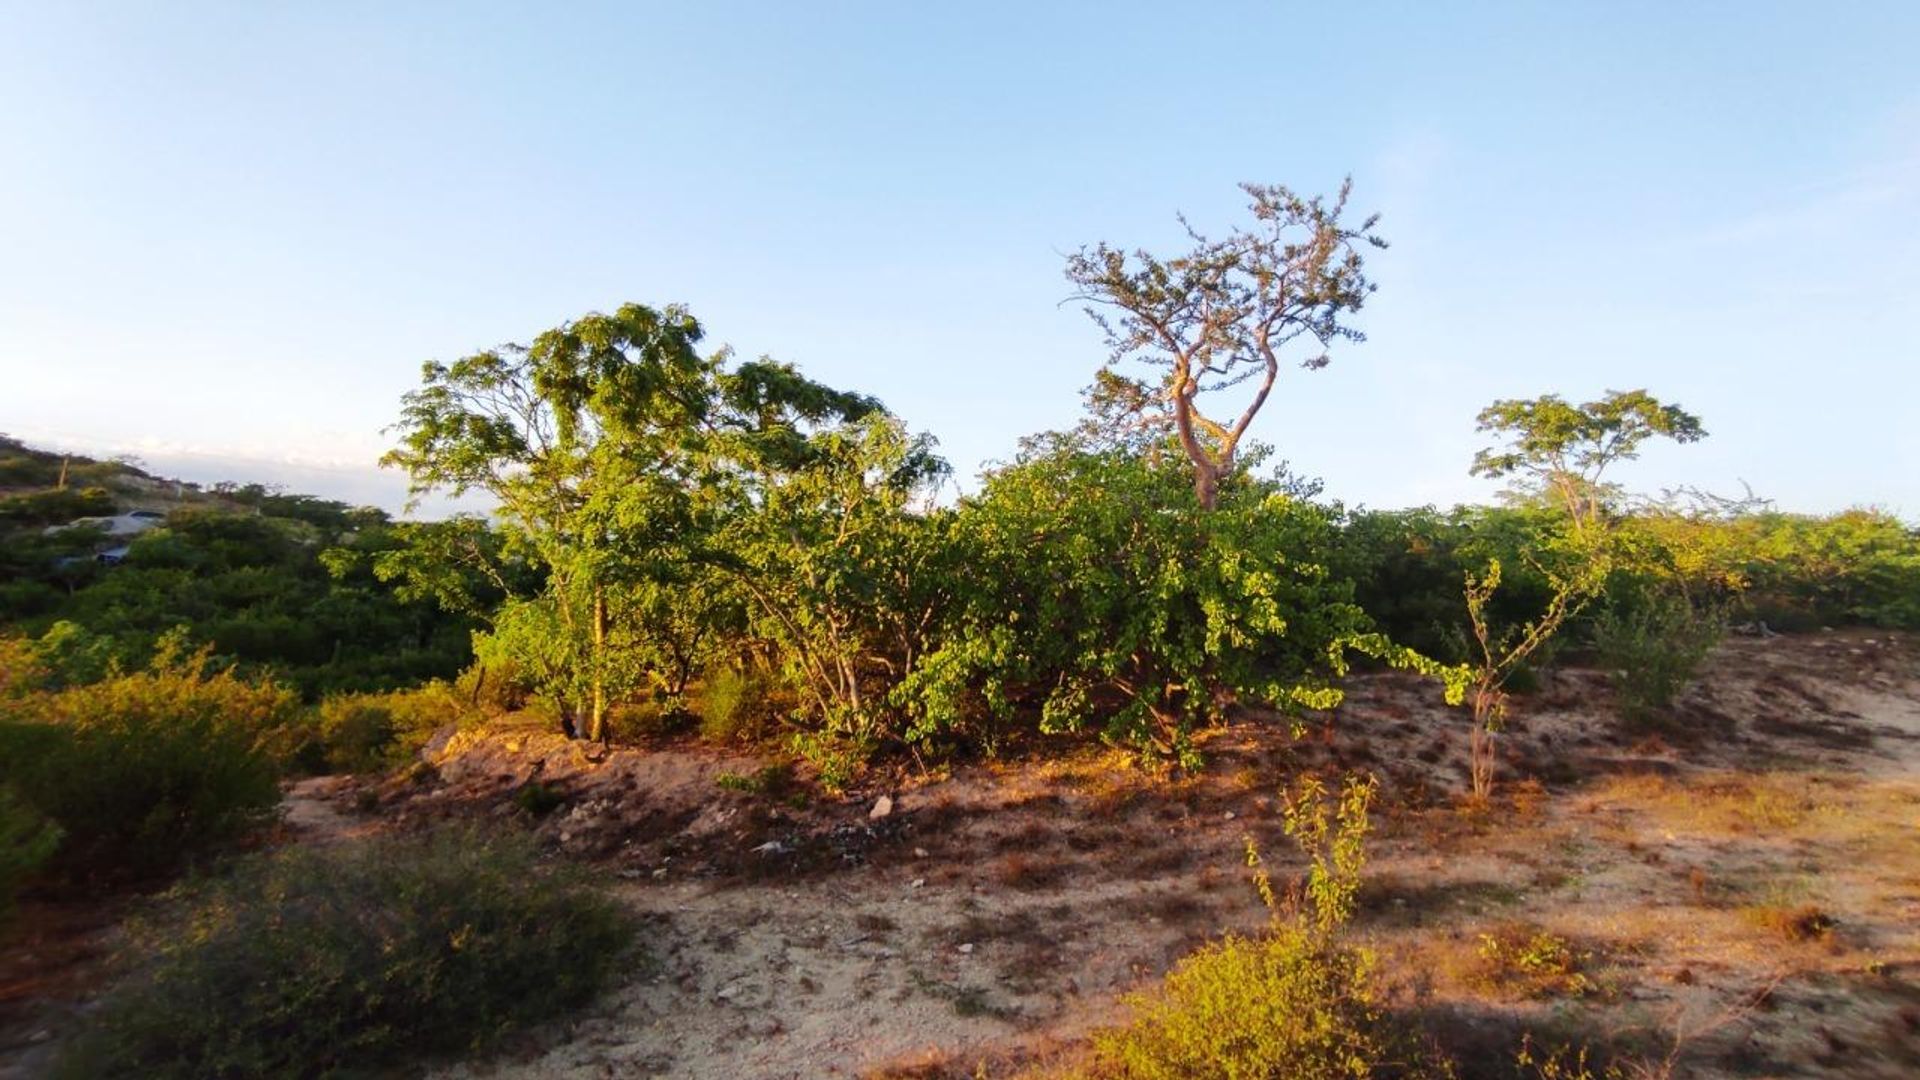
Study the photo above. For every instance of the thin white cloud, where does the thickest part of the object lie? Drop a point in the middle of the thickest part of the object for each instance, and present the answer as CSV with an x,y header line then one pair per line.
x,y
1884,194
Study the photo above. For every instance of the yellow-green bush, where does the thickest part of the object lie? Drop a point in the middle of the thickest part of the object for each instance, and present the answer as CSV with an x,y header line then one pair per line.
x,y
372,732
1283,1005
354,961
1295,1003
737,705
356,732
20,668
142,770
1526,959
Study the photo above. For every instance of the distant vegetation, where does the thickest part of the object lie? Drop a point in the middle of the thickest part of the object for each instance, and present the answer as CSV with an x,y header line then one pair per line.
x,y
273,583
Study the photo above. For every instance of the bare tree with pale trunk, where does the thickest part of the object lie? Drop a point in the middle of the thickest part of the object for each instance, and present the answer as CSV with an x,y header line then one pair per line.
x,y
1227,313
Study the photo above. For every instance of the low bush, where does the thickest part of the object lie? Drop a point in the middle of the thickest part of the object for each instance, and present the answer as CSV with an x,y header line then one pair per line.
x,y
648,718
1281,1005
1651,646
1531,961
538,799
776,782
736,705
1296,1002
356,732
1791,922
144,770
352,960
374,732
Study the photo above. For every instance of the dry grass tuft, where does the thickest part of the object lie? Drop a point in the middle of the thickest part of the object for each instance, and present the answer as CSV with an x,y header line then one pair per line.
x,y
1797,922
1730,805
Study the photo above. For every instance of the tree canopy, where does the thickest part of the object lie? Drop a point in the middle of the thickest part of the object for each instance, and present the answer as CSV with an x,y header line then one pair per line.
x,y
1224,314
1561,451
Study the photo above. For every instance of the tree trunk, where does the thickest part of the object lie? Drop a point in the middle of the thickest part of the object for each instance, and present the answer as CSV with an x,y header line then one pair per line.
x,y
1480,748
1206,485
597,719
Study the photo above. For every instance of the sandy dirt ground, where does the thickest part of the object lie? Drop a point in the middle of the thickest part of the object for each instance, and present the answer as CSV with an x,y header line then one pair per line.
x,y
1740,896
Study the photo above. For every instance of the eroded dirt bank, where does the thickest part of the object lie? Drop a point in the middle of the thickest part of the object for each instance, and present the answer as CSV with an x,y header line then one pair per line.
x,y
996,913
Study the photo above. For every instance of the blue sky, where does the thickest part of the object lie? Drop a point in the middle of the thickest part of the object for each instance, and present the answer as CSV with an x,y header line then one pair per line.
x,y
230,234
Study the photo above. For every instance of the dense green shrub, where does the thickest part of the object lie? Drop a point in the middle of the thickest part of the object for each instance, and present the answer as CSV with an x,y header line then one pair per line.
x,y
1650,646
1093,589
352,960
1792,571
27,841
844,581
1861,567
69,654
143,770
1408,568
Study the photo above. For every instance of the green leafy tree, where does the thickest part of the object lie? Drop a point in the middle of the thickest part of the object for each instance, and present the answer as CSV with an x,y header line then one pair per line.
x,y
1222,315
621,459
840,572
586,440
1560,452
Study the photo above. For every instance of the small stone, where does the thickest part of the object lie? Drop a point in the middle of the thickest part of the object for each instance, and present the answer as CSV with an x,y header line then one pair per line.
x,y
1229,815
881,807
966,949
660,873
916,883
919,853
